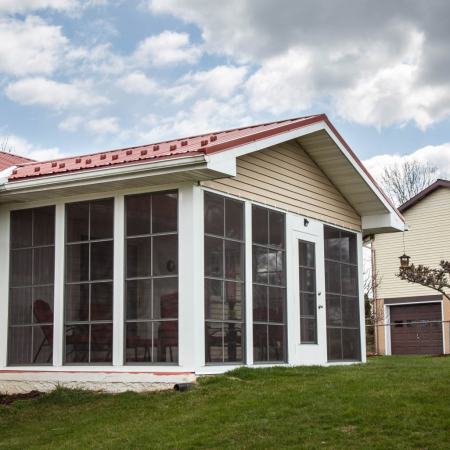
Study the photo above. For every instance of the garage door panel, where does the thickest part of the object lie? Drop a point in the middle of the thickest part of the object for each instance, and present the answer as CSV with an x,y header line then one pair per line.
x,y
412,329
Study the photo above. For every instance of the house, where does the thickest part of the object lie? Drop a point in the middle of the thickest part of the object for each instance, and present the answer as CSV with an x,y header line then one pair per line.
x,y
414,319
143,267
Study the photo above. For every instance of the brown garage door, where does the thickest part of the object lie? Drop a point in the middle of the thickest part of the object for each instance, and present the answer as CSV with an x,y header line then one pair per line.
x,y
413,331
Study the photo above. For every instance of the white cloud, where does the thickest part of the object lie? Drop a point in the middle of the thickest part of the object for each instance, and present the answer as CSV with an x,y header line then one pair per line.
x,y
104,125
22,6
137,83
94,125
53,94
377,64
99,59
219,82
71,123
283,84
20,146
435,155
204,116
30,46
166,48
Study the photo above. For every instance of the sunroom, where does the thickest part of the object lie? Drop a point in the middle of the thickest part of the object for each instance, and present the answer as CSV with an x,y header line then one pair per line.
x,y
147,266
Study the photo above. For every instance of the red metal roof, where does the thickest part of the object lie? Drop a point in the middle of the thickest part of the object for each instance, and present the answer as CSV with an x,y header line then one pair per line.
x,y
189,146
9,159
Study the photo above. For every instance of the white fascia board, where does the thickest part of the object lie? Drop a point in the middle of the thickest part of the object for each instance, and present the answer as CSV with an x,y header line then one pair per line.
x,y
266,142
378,223
106,174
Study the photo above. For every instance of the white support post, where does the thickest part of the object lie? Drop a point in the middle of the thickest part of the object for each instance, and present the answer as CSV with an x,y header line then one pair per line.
x,y
118,284
248,285
4,284
190,297
362,312
58,302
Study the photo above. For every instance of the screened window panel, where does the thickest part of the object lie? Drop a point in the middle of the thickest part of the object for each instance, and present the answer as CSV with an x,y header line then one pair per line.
x,y
22,228
214,299
165,212
138,220
260,303
139,295
233,301
260,225
165,255
101,219
234,214
224,278
214,257
151,303
342,301
44,226
77,222
101,260
269,285
139,257
32,269
307,284
89,282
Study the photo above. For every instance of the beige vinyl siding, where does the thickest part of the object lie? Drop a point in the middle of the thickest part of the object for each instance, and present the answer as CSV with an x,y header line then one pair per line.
x,y
284,176
427,242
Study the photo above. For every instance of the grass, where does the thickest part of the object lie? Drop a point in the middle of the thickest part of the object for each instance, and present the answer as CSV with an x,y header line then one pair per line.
x,y
391,402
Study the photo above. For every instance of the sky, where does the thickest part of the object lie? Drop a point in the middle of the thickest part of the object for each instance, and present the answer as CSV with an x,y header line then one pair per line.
x,y
79,76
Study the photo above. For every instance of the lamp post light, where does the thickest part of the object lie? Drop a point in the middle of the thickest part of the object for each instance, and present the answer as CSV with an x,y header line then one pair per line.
x,y
404,261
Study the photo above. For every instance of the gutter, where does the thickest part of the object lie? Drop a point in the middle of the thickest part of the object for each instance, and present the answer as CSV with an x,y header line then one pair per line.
x,y
105,174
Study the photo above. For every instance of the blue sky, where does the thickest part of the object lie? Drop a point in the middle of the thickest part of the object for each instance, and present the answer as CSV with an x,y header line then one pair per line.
x,y
85,75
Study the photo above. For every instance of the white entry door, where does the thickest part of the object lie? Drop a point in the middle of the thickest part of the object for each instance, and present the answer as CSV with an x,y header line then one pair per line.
x,y
307,318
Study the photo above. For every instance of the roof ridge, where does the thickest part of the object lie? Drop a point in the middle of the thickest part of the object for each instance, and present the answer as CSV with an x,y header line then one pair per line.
x,y
15,155
182,138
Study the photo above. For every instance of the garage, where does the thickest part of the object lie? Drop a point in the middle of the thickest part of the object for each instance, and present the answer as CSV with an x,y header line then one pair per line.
x,y
416,329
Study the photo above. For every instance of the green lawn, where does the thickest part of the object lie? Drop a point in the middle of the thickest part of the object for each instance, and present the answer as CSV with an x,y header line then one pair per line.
x,y
391,402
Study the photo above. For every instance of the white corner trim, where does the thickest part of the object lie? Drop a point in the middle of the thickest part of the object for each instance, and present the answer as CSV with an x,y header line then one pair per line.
x,y
227,165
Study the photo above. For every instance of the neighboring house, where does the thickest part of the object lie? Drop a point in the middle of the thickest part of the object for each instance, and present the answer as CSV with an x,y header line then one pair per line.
x,y
146,266
417,317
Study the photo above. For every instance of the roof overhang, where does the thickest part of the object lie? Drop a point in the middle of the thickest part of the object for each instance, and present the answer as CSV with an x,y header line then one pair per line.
x,y
317,137
167,171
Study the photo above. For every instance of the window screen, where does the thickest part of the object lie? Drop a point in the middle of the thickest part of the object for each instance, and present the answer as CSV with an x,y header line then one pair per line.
x,y
342,297
269,285
224,279
32,270
89,282
151,284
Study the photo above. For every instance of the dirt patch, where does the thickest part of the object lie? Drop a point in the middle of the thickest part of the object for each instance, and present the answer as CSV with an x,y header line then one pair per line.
x,y
8,399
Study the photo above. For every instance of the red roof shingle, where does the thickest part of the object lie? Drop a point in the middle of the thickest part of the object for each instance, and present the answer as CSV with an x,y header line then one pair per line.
x,y
9,160
190,146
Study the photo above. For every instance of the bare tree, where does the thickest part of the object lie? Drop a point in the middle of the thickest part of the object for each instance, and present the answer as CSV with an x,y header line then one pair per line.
x,y
436,279
403,181
4,147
